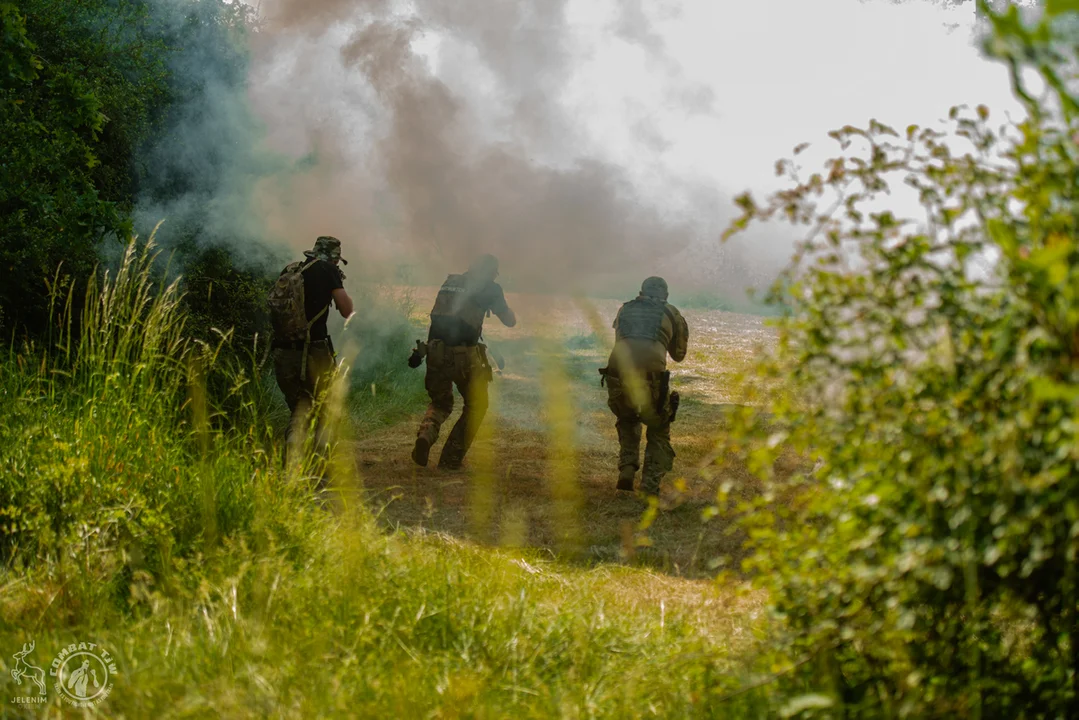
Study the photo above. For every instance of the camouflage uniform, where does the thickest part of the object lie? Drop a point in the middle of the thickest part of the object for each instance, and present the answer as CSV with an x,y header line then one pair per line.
x,y
647,329
456,357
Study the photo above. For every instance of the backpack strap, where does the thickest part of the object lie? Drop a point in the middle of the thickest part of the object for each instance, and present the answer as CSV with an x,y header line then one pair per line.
x,y
320,313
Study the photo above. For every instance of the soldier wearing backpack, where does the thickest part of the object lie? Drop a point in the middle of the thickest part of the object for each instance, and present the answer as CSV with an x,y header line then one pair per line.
x,y
304,358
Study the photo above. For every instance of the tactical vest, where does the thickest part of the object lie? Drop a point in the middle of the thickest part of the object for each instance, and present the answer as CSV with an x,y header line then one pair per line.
x,y
643,318
456,299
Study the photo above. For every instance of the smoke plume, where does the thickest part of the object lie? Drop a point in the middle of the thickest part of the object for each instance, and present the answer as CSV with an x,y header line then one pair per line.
x,y
442,130
587,143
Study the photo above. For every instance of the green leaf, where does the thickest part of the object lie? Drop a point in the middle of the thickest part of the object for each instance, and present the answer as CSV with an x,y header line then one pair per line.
x,y
1045,389
1004,235
1057,7
1052,259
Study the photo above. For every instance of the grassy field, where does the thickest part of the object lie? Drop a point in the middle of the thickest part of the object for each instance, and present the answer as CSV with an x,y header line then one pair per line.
x,y
153,519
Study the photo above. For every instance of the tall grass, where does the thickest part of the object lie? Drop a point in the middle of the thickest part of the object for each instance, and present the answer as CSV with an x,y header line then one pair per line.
x,y
145,508
376,342
110,462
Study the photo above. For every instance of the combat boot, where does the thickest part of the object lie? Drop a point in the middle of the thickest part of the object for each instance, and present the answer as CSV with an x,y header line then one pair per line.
x,y
625,478
650,485
421,451
451,458
453,454
450,465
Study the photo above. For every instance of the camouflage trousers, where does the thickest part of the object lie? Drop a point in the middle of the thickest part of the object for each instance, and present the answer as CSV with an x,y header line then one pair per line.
x,y
465,366
653,410
302,387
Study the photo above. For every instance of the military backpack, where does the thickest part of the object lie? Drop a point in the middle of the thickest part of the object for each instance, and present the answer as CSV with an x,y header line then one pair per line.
x,y
288,312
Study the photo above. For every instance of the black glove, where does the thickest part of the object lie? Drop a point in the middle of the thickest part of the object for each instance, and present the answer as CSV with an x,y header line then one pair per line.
x,y
418,354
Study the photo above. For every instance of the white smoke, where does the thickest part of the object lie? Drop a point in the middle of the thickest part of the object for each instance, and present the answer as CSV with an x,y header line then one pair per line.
x,y
586,141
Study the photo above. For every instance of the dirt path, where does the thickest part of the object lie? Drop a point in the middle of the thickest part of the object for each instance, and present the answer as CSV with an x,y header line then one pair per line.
x,y
536,481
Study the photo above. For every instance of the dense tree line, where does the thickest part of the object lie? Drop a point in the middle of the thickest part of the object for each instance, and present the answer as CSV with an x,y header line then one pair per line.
x,y
95,96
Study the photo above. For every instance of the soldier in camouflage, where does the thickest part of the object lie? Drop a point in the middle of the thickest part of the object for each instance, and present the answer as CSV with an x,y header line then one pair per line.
x,y
647,329
455,356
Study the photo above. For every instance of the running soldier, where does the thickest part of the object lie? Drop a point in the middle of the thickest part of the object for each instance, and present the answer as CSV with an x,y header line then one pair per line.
x,y
304,358
647,329
455,356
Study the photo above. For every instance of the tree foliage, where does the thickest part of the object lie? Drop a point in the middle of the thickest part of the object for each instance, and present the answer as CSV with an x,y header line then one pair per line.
x,y
102,103
197,173
80,83
927,566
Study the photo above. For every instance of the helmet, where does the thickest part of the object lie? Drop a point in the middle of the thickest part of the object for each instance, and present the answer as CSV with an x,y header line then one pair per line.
x,y
484,265
654,287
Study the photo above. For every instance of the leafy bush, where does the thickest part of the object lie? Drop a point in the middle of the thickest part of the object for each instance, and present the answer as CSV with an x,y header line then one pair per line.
x,y
101,105
220,296
928,568
198,171
76,99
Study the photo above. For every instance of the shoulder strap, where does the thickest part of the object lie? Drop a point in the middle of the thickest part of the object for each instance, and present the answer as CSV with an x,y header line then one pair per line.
x,y
319,314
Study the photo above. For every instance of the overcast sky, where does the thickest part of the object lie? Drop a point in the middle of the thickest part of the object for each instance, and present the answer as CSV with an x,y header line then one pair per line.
x,y
783,72
587,138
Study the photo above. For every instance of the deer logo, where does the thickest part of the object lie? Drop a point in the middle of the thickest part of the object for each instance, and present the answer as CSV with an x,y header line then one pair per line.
x,y
24,669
